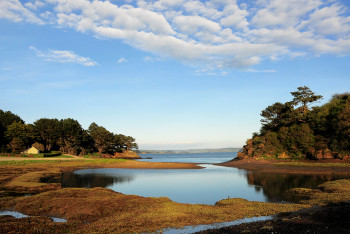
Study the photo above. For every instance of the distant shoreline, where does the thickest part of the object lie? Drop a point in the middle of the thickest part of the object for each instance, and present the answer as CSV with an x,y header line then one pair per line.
x,y
190,151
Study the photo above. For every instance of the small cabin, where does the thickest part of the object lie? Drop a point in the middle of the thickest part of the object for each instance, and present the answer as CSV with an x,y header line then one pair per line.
x,y
32,150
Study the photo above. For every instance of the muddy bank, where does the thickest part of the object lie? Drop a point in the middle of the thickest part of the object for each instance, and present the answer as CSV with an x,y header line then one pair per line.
x,y
328,166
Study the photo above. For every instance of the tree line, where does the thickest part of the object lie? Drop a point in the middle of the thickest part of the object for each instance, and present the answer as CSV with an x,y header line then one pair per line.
x,y
65,135
297,129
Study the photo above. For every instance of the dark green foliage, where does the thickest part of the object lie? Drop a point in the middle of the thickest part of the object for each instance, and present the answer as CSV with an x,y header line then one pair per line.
x,y
277,115
70,136
20,136
65,135
294,130
124,143
6,119
47,131
304,96
103,139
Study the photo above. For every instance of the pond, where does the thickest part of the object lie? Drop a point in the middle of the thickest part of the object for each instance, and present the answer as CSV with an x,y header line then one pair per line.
x,y
196,186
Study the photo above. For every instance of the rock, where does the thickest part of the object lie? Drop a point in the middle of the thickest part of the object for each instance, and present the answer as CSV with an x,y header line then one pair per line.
x,y
283,156
324,154
127,155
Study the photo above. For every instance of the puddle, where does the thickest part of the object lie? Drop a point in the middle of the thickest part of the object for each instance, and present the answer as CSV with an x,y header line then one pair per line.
x,y
19,215
13,214
58,220
197,228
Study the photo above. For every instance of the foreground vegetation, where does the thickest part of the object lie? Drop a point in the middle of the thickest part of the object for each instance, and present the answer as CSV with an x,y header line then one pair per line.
x,y
295,130
103,210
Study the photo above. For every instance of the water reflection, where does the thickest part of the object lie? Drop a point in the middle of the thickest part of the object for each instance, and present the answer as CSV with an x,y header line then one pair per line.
x,y
89,179
204,186
275,185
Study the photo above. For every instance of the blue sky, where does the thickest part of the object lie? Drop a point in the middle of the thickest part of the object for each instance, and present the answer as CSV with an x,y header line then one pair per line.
x,y
173,74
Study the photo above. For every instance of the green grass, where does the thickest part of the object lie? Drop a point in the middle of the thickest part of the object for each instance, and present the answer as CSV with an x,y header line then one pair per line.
x,y
25,162
63,156
81,161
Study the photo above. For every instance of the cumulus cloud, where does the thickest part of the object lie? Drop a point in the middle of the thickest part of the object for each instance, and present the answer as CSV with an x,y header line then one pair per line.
x,y
122,60
16,12
64,56
211,33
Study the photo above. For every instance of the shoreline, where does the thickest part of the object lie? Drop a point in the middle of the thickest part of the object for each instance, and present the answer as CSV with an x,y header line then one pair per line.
x,y
330,166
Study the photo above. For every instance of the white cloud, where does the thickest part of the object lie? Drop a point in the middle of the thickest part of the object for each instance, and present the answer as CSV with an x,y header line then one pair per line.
x,y
211,33
16,12
34,5
122,60
64,56
151,59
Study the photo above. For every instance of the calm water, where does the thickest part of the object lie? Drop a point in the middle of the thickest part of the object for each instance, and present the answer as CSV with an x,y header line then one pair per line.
x,y
190,158
201,186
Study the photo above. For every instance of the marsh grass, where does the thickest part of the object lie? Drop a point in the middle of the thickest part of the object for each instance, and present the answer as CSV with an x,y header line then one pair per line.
x,y
327,193
102,210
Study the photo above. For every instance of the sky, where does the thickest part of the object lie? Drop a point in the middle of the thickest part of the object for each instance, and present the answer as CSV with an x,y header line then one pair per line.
x,y
174,74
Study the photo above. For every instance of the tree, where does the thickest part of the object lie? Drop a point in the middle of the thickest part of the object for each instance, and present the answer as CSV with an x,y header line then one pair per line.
x,y
48,132
71,135
16,145
304,96
124,143
103,139
87,143
22,133
276,115
6,119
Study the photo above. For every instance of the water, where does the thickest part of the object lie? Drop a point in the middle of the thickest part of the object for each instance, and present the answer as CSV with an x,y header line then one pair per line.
x,y
198,228
196,186
189,158
19,215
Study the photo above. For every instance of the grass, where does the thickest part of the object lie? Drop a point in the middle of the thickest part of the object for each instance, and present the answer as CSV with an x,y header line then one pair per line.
x,y
42,155
26,162
63,156
327,193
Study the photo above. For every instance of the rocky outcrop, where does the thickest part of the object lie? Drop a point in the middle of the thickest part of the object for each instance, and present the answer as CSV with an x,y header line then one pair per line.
x,y
127,155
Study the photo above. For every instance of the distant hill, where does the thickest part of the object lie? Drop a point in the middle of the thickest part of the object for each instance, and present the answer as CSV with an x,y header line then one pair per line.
x,y
189,151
